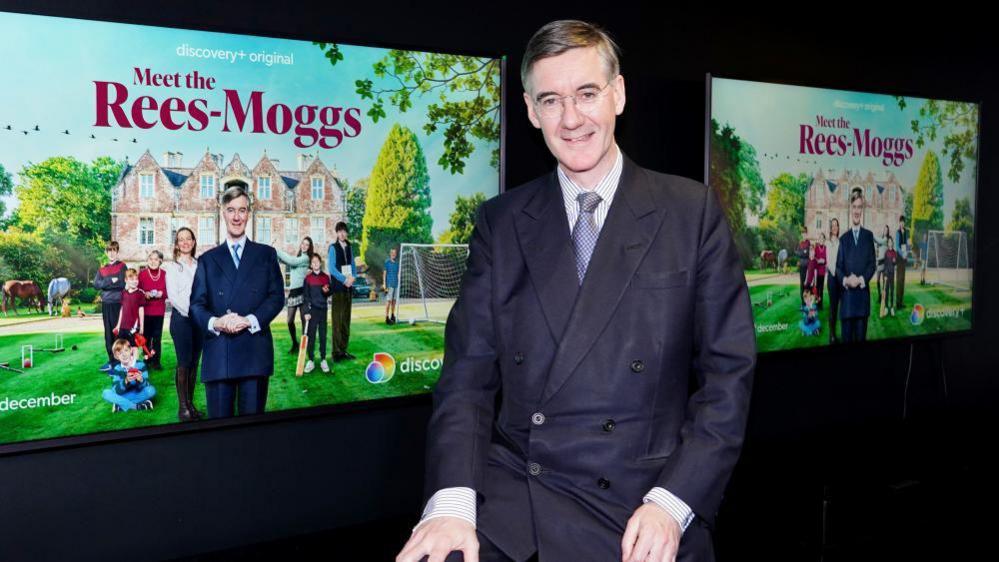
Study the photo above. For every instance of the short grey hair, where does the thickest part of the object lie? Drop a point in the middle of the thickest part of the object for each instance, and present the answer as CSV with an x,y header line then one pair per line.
x,y
235,190
559,36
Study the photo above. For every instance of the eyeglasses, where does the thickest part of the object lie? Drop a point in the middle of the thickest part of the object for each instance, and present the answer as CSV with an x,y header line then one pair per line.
x,y
586,100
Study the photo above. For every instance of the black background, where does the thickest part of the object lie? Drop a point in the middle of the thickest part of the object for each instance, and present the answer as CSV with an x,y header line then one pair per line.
x,y
826,433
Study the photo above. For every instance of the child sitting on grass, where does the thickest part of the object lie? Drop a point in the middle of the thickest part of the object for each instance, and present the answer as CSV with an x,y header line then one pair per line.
x,y
809,324
131,389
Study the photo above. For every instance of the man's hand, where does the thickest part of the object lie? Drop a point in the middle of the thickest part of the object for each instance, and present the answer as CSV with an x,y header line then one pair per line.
x,y
349,281
651,535
438,537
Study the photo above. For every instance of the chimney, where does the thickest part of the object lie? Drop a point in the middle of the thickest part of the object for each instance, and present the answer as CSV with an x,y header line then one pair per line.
x,y
276,163
218,159
304,161
172,159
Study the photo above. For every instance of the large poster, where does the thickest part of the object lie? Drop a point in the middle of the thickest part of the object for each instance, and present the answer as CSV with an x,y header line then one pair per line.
x,y
881,186
129,134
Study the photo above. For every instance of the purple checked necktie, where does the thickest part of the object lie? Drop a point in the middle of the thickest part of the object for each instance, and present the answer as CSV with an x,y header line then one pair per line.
x,y
584,233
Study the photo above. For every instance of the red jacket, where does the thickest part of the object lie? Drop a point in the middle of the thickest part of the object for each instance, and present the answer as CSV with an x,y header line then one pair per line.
x,y
157,306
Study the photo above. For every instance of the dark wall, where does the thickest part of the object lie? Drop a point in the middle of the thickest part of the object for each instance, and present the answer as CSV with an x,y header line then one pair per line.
x,y
824,425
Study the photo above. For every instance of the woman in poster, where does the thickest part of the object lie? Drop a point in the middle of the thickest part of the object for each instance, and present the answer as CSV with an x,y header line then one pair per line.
x,y
881,245
820,269
152,282
187,339
832,251
298,266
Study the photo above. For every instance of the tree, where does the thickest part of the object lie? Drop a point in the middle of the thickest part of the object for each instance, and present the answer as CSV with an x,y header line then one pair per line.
x,y
724,173
6,188
25,255
784,212
66,199
462,220
962,219
469,96
958,121
397,207
750,179
927,199
356,193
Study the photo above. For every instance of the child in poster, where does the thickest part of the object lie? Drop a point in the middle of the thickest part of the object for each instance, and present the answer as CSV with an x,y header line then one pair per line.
x,y
130,389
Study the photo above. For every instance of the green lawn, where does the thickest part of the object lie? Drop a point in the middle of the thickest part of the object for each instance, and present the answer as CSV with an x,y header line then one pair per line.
x,y
76,372
784,302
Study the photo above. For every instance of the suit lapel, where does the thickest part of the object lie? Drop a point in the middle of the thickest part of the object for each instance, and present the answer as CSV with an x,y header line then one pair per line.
x,y
628,231
543,234
223,258
249,255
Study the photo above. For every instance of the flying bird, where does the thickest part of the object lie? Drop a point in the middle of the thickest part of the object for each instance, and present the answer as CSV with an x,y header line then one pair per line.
x,y
66,132
36,128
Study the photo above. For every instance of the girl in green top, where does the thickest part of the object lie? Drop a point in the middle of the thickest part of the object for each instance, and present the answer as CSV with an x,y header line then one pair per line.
x,y
298,266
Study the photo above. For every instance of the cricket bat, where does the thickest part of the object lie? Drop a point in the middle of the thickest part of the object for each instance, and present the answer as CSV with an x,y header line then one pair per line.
x,y
300,367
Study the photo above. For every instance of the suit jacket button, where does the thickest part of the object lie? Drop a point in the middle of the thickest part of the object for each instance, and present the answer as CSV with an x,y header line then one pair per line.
x,y
518,358
538,418
609,425
637,366
603,483
534,468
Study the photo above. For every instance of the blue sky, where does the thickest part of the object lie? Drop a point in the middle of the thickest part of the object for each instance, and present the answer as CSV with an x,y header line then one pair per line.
x,y
50,65
768,116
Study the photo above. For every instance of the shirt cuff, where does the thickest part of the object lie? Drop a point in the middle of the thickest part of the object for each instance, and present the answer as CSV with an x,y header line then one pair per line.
x,y
254,323
450,502
211,325
672,505
862,283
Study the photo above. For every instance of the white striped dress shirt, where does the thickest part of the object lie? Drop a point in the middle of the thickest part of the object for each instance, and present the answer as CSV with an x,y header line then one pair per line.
x,y
460,502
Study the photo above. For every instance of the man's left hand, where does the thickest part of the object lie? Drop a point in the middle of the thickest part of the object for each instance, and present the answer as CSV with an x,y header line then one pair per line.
x,y
651,535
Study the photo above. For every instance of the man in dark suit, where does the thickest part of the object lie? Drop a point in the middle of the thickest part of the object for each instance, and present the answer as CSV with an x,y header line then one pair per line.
x,y
237,292
607,307
855,265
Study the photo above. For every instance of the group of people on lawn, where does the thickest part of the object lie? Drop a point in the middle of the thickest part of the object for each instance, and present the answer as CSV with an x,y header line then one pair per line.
x,y
846,263
133,307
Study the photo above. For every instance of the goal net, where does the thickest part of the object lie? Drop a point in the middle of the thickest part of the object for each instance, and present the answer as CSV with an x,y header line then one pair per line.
x,y
429,280
947,260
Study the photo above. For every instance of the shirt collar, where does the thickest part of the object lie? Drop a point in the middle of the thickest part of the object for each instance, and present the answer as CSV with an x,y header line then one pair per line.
x,y
241,241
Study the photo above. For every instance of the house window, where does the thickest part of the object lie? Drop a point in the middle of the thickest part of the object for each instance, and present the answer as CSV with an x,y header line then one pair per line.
x,y
263,231
175,225
318,232
290,231
317,188
206,230
263,188
146,235
145,186
207,186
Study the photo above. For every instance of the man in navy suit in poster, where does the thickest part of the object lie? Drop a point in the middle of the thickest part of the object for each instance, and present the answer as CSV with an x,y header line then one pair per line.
x,y
238,290
855,265
605,305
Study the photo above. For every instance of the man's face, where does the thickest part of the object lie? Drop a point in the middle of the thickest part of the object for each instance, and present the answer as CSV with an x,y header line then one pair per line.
x,y
857,210
579,140
341,235
236,213
112,254
392,254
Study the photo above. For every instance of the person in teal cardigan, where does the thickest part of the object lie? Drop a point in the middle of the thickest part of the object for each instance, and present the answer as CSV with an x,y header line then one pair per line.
x,y
298,266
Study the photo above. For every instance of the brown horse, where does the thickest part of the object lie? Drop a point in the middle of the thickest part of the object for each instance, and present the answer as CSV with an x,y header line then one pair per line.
x,y
28,291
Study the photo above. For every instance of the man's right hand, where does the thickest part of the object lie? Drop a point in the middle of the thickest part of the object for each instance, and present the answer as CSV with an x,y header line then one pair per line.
x,y
438,537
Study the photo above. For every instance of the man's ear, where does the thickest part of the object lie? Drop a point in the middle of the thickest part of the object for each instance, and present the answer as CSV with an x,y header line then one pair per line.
x,y
530,111
619,96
